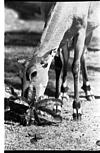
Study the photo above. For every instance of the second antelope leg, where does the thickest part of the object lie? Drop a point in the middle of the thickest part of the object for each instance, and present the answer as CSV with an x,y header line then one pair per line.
x,y
64,58
78,49
86,85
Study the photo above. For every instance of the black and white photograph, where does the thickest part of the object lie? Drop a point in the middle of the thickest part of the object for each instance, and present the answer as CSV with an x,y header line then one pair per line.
x,y
51,75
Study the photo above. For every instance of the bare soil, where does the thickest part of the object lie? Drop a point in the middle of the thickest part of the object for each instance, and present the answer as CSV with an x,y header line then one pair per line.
x,y
69,134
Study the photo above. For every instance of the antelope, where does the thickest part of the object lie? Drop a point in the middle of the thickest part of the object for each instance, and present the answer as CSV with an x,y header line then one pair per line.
x,y
68,22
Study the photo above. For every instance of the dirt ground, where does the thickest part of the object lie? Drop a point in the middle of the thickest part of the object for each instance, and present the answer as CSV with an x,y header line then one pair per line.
x,y
69,134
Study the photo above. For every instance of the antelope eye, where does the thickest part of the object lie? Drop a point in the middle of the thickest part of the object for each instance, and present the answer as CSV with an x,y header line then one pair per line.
x,y
33,74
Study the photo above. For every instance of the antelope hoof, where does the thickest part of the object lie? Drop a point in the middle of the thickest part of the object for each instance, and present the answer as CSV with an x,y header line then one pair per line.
x,y
88,92
57,109
90,97
64,97
77,112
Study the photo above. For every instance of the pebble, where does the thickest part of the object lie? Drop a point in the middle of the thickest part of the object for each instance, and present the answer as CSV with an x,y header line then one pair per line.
x,y
98,142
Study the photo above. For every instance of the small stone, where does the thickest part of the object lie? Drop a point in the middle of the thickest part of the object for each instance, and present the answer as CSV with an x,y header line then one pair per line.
x,y
98,142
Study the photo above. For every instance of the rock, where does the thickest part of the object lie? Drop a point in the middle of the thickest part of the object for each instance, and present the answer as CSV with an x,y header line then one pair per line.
x,y
98,142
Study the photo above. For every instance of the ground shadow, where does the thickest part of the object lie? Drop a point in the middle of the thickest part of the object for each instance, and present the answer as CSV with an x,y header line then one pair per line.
x,y
22,38
96,97
93,68
14,83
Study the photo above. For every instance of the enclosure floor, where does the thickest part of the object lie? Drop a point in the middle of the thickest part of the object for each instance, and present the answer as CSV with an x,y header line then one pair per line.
x,y
69,134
